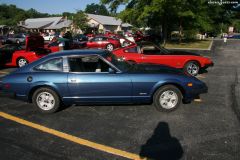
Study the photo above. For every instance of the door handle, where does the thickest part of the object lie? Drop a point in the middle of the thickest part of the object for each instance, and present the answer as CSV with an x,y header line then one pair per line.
x,y
72,80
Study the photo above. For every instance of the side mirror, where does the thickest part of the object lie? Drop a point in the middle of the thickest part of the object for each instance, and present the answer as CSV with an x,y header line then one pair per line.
x,y
111,71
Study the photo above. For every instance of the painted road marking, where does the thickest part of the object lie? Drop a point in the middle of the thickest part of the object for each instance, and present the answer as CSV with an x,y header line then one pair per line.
x,y
200,76
71,138
4,72
197,100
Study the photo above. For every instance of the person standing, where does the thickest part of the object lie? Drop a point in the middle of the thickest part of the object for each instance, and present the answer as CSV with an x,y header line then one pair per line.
x,y
62,43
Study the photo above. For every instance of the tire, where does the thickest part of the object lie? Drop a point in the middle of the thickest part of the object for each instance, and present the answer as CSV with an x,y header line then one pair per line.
x,y
21,62
110,47
46,100
192,68
172,100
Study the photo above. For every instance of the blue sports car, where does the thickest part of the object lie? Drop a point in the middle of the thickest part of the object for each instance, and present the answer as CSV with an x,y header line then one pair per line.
x,y
97,76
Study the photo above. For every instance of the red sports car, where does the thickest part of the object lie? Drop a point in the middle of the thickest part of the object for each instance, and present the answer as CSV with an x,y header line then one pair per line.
x,y
147,52
34,50
102,42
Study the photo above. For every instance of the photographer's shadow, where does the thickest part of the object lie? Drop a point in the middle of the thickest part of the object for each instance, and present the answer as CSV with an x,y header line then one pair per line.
x,y
161,146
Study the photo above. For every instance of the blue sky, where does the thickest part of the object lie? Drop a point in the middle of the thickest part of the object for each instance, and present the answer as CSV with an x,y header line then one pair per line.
x,y
52,6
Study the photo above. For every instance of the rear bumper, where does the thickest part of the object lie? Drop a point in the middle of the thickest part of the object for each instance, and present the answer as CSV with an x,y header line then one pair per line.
x,y
11,94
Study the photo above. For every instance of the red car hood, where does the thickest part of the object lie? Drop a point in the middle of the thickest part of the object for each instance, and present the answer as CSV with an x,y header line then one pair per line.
x,y
34,42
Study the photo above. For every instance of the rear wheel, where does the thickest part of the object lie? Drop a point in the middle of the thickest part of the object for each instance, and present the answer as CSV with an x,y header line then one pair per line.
x,y
46,100
192,68
110,47
21,62
167,98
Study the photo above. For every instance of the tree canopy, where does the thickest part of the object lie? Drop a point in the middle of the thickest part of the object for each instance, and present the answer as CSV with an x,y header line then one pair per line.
x,y
11,15
80,20
97,9
171,15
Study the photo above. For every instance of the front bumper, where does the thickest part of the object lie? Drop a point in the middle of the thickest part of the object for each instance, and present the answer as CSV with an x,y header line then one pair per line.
x,y
194,92
208,65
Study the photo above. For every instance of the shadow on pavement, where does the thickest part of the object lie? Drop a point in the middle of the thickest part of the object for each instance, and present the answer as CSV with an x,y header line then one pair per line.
x,y
162,146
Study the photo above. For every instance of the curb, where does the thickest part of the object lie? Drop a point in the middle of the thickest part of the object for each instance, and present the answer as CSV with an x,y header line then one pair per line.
x,y
236,102
236,94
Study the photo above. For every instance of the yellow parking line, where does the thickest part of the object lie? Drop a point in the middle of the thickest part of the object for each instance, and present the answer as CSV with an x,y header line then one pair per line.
x,y
197,100
200,76
4,72
72,138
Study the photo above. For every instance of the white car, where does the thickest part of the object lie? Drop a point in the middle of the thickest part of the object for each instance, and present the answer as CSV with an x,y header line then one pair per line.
x,y
48,37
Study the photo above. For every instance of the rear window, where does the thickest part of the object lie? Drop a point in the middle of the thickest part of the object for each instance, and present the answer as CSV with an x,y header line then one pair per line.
x,y
51,65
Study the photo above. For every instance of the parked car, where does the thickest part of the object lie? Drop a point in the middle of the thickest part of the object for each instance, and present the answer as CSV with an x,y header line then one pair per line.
x,y
236,36
80,38
123,41
3,40
54,46
6,53
98,76
139,36
48,37
34,50
102,42
147,52
17,38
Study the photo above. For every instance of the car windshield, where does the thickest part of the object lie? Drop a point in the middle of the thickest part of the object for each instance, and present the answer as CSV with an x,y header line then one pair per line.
x,y
120,63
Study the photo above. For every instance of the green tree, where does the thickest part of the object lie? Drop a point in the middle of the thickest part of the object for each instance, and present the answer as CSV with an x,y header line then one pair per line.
x,y
169,15
68,15
80,20
11,15
97,9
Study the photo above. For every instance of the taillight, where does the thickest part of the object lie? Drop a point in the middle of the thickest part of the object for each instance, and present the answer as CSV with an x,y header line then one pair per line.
x,y
7,86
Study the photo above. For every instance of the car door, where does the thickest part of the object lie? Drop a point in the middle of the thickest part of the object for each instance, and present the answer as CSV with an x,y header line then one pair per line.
x,y
132,54
95,42
104,42
89,80
152,54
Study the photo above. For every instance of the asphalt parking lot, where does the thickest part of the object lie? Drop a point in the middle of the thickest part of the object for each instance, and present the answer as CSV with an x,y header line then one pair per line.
x,y
208,128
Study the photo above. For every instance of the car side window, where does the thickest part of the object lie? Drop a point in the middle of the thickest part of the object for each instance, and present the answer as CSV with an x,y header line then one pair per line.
x,y
150,50
104,39
132,50
51,65
96,39
88,64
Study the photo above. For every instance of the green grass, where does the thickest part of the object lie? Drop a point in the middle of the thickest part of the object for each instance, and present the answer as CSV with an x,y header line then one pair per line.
x,y
204,44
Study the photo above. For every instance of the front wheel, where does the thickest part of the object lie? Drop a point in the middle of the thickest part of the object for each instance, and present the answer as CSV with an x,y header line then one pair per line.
x,y
110,47
21,62
46,100
167,98
192,68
